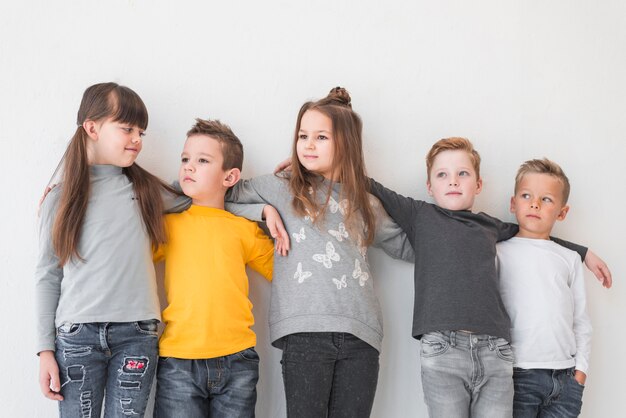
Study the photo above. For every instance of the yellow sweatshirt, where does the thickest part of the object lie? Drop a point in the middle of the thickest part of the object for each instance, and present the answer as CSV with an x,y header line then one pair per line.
x,y
208,313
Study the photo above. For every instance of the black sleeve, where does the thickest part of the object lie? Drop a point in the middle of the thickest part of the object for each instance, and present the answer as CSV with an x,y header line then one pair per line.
x,y
399,207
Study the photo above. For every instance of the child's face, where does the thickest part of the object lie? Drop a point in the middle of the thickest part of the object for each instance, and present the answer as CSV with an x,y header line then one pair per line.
x,y
315,143
113,143
453,182
538,204
201,175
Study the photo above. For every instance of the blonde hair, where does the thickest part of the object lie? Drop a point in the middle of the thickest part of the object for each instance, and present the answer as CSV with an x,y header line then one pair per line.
x,y
348,163
544,166
453,144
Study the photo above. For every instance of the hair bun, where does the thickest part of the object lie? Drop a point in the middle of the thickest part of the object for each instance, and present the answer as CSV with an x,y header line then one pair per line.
x,y
340,96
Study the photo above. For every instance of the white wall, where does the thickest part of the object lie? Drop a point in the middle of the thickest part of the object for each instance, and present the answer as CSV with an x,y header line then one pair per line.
x,y
522,79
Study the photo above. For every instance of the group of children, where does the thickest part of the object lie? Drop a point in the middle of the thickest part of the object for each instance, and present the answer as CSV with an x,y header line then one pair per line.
x,y
497,339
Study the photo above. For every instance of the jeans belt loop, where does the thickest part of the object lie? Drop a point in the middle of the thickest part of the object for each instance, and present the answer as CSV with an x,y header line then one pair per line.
x,y
453,338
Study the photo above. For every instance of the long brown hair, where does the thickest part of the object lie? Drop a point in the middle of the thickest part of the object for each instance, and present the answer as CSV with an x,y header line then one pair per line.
x,y
100,102
348,165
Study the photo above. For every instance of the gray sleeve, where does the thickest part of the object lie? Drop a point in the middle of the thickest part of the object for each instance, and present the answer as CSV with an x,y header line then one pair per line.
x,y
48,276
252,211
173,203
389,236
262,189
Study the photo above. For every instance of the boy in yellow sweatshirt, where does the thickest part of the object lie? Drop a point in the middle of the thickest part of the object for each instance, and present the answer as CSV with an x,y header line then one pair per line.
x,y
208,365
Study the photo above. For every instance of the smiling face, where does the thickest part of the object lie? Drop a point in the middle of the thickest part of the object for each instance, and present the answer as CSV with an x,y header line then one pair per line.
x,y
114,143
201,175
453,182
538,204
315,146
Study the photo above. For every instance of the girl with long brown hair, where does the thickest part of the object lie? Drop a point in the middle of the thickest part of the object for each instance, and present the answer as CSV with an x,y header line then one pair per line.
x,y
324,314
98,307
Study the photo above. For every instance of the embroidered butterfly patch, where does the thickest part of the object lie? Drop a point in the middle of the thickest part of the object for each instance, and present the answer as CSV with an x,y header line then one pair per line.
x,y
299,236
359,274
340,283
335,206
301,275
340,233
328,258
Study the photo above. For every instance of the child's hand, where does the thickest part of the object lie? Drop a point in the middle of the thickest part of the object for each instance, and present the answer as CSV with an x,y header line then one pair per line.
x,y
49,376
277,229
599,268
283,166
580,377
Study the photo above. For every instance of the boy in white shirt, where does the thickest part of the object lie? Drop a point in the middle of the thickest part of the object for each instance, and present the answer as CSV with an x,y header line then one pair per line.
x,y
542,286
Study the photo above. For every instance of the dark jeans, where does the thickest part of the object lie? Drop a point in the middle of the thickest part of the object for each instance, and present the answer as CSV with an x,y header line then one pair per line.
x,y
329,374
546,393
220,387
116,358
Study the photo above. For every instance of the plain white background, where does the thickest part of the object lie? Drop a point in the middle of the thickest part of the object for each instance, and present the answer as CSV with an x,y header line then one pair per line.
x,y
521,79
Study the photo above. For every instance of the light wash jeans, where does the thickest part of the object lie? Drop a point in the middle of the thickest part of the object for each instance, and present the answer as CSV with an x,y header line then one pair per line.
x,y
220,387
116,357
467,375
546,393
329,375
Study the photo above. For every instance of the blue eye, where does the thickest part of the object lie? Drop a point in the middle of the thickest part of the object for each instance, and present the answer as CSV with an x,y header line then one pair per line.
x,y
441,175
464,173
547,199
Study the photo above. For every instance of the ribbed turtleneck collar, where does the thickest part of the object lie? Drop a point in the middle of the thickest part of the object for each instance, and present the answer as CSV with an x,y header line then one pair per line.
x,y
104,170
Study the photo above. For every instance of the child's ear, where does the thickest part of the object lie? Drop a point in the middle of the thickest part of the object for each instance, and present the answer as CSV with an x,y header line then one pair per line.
x,y
232,177
512,208
479,186
562,213
430,191
91,128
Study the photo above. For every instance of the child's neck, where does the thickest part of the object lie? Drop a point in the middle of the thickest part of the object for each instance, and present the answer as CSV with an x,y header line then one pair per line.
x,y
216,202
523,233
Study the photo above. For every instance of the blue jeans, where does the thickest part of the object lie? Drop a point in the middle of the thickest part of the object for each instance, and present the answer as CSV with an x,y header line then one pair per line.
x,y
329,374
466,375
223,387
546,393
118,358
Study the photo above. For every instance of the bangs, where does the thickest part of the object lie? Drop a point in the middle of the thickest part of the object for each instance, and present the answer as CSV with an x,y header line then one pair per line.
x,y
128,108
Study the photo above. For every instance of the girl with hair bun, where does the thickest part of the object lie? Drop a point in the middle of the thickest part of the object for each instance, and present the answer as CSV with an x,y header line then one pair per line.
x,y
324,313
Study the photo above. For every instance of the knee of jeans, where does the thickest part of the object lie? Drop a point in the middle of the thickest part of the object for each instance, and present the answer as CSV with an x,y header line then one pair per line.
x,y
134,366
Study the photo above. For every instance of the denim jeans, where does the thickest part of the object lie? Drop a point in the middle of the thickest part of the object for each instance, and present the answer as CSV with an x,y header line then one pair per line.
x,y
546,393
329,374
220,387
118,358
466,375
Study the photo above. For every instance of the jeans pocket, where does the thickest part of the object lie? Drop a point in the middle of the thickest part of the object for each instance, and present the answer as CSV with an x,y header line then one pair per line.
x,y
149,326
504,350
68,329
576,383
432,347
249,354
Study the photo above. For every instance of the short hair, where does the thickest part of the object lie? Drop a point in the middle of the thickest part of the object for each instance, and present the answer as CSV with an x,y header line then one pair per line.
x,y
544,166
232,149
453,144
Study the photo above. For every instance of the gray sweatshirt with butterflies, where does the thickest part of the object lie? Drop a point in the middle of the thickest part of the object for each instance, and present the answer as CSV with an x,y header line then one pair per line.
x,y
324,284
